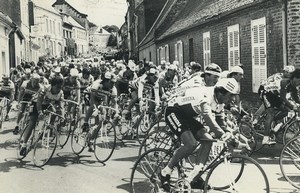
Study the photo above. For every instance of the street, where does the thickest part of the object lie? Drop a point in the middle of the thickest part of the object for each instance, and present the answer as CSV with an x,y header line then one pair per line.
x,y
68,173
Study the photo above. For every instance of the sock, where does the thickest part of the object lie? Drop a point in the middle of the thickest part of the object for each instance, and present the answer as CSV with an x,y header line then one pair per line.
x,y
194,172
166,171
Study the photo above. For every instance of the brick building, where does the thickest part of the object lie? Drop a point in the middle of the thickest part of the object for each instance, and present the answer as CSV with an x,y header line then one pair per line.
x,y
257,34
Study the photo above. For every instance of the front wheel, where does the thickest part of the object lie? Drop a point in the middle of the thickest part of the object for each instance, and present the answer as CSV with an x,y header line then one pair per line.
x,y
64,131
291,131
105,142
78,138
44,147
290,161
234,173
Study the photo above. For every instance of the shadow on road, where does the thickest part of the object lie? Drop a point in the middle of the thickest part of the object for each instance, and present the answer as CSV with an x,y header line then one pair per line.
x,y
125,186
14,163
9,144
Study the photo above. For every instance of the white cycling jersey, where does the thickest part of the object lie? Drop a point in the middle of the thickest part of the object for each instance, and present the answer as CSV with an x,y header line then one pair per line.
x,y
273,82
191,99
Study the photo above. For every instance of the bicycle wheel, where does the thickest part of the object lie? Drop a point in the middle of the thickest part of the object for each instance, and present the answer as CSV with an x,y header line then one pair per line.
x,y
20,141
78,139
290,161
291,131
64,131
2,116
45,146
144,176
237,173
105,142
156,139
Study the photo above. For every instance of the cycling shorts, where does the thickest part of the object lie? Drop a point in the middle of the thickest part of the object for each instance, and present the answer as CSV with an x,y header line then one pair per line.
x,y
179,122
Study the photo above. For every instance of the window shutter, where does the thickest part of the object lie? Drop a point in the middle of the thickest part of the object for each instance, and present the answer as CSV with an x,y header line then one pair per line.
x,y
176,52
233,46
167,53
206,48
180,54
158,56
259,52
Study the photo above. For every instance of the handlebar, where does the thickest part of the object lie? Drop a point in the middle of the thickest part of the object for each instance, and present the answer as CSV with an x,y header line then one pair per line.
x,y
106,107
70,101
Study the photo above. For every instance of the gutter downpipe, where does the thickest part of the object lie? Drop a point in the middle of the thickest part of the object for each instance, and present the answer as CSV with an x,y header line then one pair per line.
x,y
284,32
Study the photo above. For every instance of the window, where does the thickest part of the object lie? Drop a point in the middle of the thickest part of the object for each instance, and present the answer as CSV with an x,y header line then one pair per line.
x,y
206,49
47,25
233,46
54,30
167,57
179,53
50,26
191,49
259,52
158,56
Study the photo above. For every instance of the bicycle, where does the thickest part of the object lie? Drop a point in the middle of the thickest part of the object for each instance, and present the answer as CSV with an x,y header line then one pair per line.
x,y
25,118
66,127
290,161
101,137
42,140
3,111
145,173
287,131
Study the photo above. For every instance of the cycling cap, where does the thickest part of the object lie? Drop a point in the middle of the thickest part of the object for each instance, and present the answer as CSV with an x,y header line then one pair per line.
x,y
229,84
35,76
172,67
289,69
107,75
213,69
163,62
224,74
131,65
196,66
74,72
237,69
27,71
57,69
152,71
4,76
175,62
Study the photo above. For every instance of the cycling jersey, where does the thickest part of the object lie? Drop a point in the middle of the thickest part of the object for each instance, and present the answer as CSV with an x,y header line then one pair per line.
x,y
98,86
7,88
272,84
30,90
86,81
51,98
190,101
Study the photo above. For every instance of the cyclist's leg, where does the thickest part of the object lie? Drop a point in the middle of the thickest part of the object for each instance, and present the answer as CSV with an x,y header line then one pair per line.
x,y
20,113
269,119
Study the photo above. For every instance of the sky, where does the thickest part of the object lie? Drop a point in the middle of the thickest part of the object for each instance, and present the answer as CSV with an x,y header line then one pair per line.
x,y
102,12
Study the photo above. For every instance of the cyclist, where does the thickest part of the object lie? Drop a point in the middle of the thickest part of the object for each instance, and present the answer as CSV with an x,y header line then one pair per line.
x,y
180,117
147,82
124,77
208,78
85,78
7,89
51,94
71,88
273,94
28,91
101,91
167,80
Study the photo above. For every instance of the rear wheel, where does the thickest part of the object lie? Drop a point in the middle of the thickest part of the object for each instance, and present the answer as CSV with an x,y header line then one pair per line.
x,y
145,173
45,146
105,141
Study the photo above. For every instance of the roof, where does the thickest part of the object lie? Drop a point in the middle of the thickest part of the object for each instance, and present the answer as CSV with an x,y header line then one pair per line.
x,y
47,5
97,32
197,12
74,23
59,2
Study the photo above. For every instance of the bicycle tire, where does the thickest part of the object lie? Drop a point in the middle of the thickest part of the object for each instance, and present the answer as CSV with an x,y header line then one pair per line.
x,y
45,146
144,175
289,161
155,139
105,142
291,131
64,131
20,141
78,138
242,166
2,117
23,122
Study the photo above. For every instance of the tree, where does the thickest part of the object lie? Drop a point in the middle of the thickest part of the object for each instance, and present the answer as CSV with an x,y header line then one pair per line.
x,y
111,28
112,40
